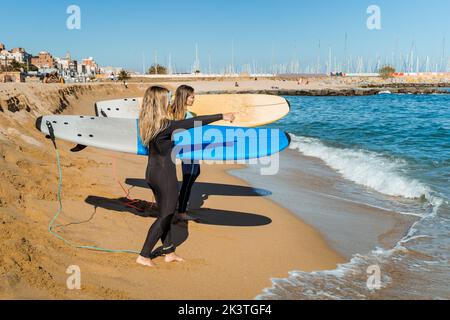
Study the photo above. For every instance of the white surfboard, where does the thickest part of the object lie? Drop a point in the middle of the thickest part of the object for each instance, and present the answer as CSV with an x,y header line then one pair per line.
x,y
252,110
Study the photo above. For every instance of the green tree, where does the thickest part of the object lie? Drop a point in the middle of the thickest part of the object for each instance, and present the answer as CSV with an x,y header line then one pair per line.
x,y
157,69
387,72
31,67
123,76
16,66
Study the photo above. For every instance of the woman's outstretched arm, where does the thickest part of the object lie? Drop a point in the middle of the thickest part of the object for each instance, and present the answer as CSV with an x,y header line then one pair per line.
x,y
190,123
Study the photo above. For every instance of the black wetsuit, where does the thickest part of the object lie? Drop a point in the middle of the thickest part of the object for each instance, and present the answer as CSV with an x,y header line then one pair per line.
x,y
191,171
161,176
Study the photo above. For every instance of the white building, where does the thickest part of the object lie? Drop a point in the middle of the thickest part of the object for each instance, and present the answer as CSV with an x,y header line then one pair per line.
x,y
62,63
88,67
6,58
17,54
20,55
111,72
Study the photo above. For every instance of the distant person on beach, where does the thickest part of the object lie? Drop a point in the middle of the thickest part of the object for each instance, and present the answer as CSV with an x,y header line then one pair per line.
x,y
236,84
156,128
178,110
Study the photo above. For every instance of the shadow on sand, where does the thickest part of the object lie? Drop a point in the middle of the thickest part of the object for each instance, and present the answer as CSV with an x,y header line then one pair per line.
x,y
205,215
200,192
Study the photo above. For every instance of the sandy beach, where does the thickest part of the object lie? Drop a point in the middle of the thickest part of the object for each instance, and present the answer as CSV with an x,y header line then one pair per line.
x,y
338,117
245,240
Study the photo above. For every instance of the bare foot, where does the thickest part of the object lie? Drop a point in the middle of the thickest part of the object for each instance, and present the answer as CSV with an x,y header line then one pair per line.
x,y
186,217
145,261
172,257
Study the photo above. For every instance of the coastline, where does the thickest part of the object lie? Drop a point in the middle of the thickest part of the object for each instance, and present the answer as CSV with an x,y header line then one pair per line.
x,y
307,85
318,195
253,235
247,239
329,170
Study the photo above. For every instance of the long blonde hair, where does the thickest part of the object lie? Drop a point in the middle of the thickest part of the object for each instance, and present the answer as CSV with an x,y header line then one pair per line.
x,y
177,110
153,116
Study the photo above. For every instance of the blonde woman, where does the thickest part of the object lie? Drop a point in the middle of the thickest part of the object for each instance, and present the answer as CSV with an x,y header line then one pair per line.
x,y
184,98
156,128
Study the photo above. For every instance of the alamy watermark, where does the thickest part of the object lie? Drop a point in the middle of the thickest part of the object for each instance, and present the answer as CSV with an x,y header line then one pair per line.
x,y
232,145
374,279
73,22
374,20
73,282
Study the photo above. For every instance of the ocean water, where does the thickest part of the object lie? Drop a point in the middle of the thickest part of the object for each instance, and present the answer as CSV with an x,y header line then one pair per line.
x,y
397,146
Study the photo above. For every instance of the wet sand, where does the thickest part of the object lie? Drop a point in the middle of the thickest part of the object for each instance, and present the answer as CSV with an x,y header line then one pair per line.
x,y
321,197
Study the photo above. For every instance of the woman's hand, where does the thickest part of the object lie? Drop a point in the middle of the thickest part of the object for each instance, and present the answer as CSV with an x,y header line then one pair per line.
x,y
229,117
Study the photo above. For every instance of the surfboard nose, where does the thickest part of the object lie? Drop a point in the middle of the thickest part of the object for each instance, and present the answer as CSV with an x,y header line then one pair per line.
x,y
39,123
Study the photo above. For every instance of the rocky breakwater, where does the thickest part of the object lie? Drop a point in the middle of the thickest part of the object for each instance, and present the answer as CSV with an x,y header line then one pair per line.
x,y
338,92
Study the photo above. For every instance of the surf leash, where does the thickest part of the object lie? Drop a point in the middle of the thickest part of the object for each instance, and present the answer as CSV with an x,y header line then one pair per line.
x,y
129,202
60,209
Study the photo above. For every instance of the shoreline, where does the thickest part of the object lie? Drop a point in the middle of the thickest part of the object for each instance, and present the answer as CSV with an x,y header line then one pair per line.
x,y
251,237
246,241
15,99
350,226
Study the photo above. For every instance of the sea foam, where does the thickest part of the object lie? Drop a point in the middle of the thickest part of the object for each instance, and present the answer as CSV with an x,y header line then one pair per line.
x,y
363,167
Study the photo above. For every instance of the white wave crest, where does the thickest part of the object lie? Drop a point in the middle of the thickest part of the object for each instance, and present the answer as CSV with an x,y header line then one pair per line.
x,y
363,167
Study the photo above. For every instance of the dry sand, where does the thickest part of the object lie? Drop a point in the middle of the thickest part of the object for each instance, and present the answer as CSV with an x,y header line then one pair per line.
x,y
247,238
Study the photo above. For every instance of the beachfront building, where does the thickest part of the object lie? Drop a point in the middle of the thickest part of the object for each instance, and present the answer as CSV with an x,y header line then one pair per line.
x,y
73,67
88,67
5,58
63,63
17,54
21,56
74,71
66,66
44,61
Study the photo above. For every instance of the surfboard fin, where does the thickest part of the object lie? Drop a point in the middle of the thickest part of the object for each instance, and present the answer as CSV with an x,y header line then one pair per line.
x,y
78,148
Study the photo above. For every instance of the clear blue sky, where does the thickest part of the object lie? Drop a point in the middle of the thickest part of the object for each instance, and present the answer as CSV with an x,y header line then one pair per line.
x,y
118,32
